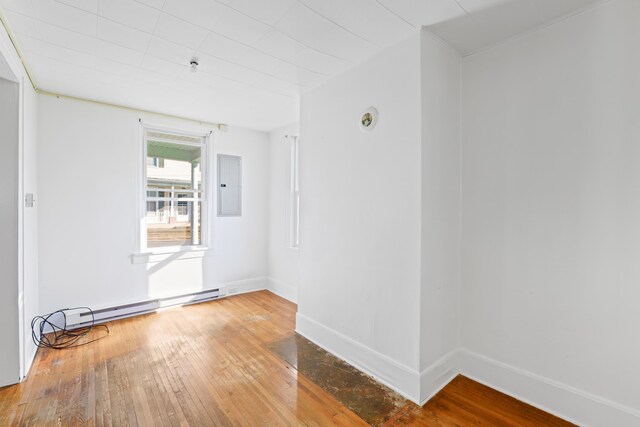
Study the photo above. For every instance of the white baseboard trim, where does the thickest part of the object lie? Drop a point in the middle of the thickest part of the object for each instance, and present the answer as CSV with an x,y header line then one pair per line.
x,y
284,290
569,403
387,371
29,359
244,286
437,376
566,402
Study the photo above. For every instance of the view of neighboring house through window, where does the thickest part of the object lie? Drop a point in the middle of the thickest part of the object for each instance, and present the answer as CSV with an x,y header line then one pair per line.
x,y
174,189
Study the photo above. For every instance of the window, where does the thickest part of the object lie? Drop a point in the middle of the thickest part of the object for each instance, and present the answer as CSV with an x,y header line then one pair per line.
x,y
175,202
294,233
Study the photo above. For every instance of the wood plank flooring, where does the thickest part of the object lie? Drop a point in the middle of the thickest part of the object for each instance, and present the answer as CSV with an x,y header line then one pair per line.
x,y
209,364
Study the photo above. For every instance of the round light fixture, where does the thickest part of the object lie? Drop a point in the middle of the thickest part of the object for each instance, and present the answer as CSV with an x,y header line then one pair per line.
x,y
193,66
369,119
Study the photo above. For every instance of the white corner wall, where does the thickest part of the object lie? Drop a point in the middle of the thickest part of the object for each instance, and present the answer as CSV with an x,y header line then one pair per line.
x,y
283,259
359,293
550,302
30,253
87,157
440,242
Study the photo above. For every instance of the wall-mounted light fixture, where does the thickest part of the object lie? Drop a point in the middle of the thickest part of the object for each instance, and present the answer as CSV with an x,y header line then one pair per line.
x,y
369,119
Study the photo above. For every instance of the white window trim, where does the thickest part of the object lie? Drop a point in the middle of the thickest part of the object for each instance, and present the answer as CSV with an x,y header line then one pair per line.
x,y
144,254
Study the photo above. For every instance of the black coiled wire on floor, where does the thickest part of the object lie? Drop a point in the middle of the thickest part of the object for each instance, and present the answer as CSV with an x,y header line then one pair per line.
x,y
46,331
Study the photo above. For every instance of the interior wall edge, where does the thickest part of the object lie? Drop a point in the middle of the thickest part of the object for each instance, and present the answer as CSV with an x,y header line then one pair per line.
x,y
282,289
384,369
435,377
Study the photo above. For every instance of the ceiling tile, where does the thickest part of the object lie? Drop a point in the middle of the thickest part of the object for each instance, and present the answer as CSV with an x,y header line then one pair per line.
x,y
69,39
130,13
21,6
65,16
278,86
118,53
122,35
179,31
424,12
264,11
260,61
240,27
168,51
68,79
204,13
164,67
281,46
279,69
223,47
369,19
313,30
58,53
87,5
255,107
472,6
22,24
156,4
211,65
297,76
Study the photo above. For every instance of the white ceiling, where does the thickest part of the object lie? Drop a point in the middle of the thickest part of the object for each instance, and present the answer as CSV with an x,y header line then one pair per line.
x,y
256,56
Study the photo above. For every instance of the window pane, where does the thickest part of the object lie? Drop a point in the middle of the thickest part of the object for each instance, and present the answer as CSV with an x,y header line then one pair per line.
x,y
174,223
172,166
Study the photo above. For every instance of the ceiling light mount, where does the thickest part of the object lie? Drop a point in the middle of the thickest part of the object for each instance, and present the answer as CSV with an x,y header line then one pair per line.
x,y
193,65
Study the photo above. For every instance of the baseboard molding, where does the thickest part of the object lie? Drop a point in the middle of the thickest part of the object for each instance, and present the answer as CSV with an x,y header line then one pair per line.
x,y
437,376
384,369
284,290
244,286
569,403
29,360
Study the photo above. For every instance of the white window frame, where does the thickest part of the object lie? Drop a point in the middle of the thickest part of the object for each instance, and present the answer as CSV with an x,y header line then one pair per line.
x,y
143,253
294,194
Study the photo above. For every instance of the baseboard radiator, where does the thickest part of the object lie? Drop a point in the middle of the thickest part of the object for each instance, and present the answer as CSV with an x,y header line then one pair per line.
x,y
79,318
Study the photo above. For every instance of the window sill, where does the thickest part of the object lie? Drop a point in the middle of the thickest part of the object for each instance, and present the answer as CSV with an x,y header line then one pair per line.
x,y
170,254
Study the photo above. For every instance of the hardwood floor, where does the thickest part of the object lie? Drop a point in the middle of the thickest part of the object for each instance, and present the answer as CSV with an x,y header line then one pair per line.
x,y
210,364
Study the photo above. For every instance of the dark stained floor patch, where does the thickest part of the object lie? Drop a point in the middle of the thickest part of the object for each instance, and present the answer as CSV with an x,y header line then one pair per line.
x,y
370,400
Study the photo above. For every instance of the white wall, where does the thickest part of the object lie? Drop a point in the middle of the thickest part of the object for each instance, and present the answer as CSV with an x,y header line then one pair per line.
x,y
551,215
87,165
29,165
359,291
283,259
9,232
440,86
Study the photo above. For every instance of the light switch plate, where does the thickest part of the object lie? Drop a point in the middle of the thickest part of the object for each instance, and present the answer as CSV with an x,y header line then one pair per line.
x,y
28,200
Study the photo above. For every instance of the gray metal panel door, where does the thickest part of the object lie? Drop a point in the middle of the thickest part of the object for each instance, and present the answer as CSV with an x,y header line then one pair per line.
x,y
229,185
